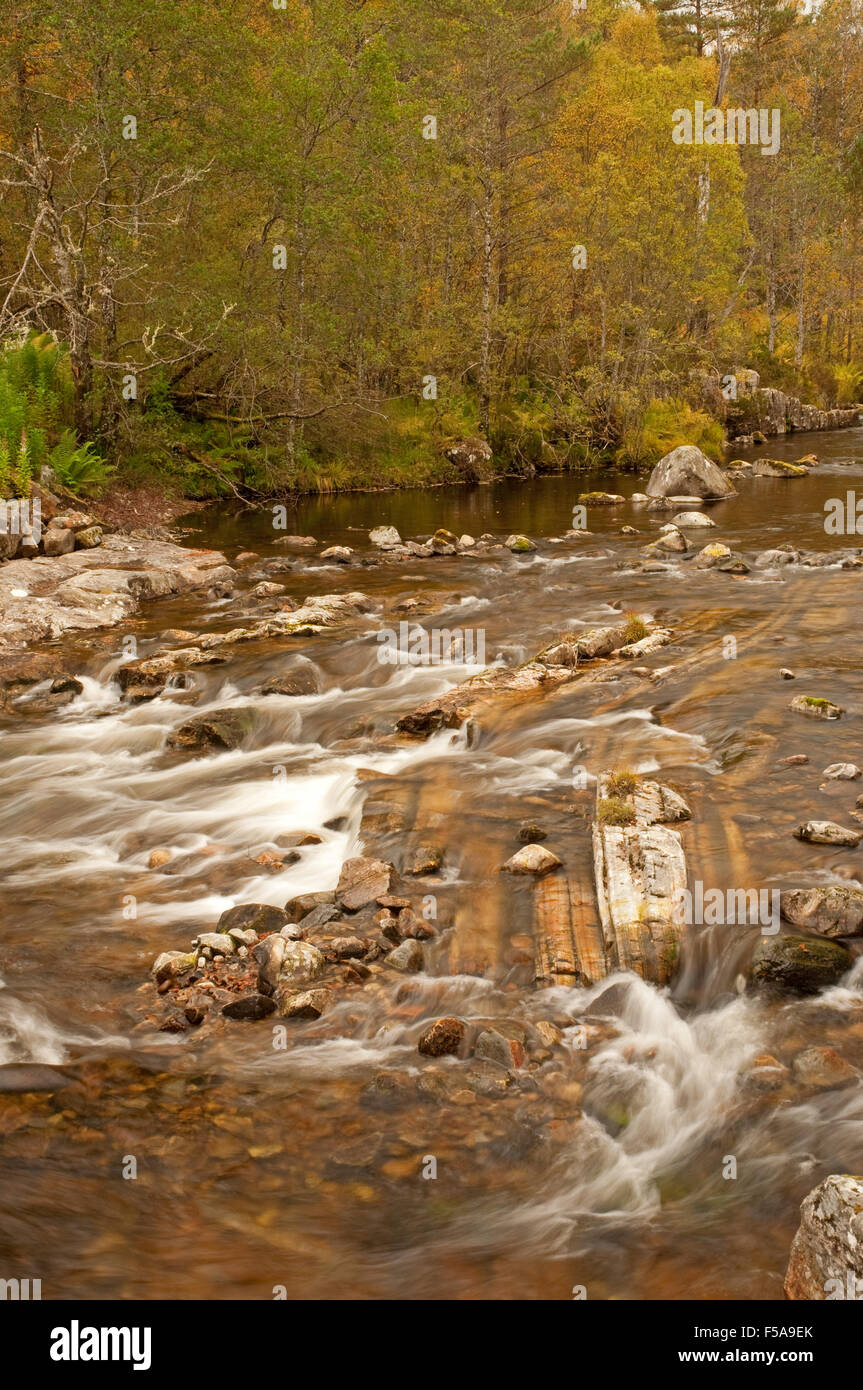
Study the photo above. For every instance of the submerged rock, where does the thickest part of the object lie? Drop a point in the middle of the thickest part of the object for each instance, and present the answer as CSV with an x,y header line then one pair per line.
x,y
425,859
814,707
826,1260
776,468
822,1067
798,964
224,728
249,1007
300,680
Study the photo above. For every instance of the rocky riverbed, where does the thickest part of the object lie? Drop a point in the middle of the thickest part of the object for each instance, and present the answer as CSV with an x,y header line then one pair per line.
x,y
428,963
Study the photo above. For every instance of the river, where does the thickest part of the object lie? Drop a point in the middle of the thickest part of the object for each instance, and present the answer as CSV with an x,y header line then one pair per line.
x,y
604,1166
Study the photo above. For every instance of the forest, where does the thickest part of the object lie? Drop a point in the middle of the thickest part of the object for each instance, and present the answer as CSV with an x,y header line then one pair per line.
x,y
279,247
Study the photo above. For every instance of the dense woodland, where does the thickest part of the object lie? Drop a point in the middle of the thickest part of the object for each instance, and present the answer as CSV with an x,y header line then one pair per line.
x,y
287,245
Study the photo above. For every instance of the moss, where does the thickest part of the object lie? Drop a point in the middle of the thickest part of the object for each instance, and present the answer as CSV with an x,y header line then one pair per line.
x,y
622,783
815,700
614,811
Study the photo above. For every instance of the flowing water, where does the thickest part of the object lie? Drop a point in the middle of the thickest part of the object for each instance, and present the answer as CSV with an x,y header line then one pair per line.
x,y
604,1164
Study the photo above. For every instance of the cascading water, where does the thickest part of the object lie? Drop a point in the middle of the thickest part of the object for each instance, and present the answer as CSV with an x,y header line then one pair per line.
x,y
606,1161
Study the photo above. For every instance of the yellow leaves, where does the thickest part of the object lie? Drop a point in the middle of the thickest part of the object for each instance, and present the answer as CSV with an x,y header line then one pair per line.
x,y
636,37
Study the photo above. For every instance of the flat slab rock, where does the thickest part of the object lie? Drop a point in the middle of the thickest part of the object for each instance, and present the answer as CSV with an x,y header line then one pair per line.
x,y
551,667
826,1259
640,873
48,596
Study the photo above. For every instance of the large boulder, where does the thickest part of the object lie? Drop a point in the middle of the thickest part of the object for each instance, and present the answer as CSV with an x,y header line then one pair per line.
x,y
826,1259
829,910
798,964
472,457
686,470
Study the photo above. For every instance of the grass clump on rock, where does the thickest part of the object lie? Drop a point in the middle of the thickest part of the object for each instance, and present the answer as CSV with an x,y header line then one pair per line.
x,y
622,783
635,629
613,810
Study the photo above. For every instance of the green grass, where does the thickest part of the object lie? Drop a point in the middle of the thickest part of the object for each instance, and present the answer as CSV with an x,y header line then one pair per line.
x,y
614,811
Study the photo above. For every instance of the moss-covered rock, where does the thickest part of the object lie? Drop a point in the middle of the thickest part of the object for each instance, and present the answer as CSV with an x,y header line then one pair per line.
x,y
795,964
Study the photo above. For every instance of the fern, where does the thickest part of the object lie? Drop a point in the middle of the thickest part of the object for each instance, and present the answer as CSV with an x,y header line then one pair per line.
x,y
77,466
5,469
22,471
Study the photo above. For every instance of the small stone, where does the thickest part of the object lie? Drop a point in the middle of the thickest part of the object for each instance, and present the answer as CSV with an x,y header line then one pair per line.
x,y
310,1004
244,939
269,955
89,538
158,857
548,1032
171,964
842,772
58,541
267,589
217,941
348,947
385,537
408,957
339,554
495,1047
786,674
533,859
519,545
443,1038
827,832
297,542
297,908
301,963
249,1007
712,556
692,521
